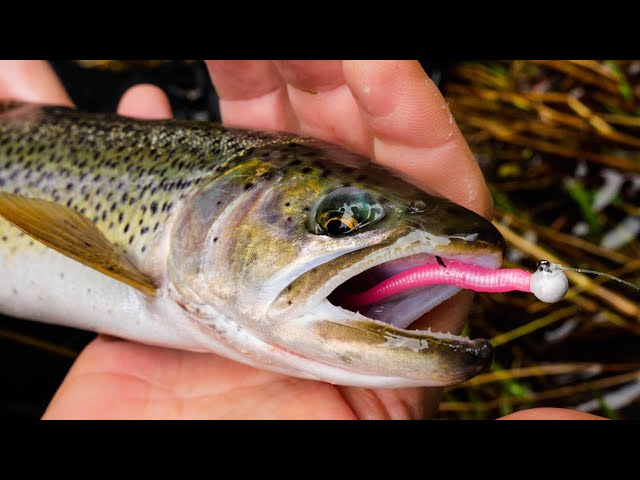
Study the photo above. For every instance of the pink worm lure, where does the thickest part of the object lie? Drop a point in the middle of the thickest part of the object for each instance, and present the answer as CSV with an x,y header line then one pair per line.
x,y
459,274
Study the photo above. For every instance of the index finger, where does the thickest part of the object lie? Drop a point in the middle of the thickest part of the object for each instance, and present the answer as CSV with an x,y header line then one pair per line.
x,y
31,81
414,131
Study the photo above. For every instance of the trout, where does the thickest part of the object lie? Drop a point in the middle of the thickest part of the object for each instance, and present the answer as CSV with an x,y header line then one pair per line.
x,y
191,235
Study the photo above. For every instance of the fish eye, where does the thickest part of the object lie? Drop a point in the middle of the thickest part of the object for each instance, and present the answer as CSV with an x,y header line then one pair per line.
x,y
346,210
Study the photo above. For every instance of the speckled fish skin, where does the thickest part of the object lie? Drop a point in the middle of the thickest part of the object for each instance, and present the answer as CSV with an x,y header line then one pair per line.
x,y
223,221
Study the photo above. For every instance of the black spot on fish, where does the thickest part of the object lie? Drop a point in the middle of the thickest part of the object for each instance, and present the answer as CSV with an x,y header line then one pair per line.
x,y
69,187
247,186
126,228
215,239
120,217
306,170
131,239
144,230
154,207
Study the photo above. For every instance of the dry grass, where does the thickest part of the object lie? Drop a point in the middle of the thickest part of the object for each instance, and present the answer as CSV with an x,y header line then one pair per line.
x,y
559,142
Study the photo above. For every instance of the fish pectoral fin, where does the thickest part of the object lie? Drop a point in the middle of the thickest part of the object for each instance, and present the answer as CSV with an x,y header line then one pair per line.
x,y
74,235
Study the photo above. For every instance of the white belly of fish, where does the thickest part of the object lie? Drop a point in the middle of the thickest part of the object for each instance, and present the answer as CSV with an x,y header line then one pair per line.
x,y
42,284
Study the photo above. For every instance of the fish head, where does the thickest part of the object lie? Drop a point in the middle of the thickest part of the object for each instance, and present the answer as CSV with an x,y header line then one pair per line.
x,y
273,241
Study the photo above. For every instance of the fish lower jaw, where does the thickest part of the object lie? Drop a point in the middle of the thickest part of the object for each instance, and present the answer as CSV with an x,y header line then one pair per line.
x,y
326,310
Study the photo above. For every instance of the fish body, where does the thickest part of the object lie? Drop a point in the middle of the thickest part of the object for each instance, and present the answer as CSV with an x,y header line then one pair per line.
x,y
190,235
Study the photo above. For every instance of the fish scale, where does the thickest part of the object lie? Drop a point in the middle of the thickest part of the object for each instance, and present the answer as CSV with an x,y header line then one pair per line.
x,y
68,157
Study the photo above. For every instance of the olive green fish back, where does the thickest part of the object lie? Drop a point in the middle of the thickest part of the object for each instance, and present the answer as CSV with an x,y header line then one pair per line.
x,y
125,175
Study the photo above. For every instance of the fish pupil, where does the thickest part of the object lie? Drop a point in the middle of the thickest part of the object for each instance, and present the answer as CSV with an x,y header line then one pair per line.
x,y
337,227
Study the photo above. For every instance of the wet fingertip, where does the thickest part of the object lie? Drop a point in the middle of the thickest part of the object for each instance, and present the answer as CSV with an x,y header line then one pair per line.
x,y
145,101
547,413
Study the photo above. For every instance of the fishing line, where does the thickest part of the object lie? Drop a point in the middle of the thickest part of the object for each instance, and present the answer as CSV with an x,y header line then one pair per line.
x,y
583,270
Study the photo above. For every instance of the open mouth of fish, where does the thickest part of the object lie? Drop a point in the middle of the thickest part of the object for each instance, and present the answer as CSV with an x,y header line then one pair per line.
x,y
388,335
405,307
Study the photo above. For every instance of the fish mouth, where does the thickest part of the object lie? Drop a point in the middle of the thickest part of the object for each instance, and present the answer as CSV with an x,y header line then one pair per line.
x,y
382,338
403,309
331,285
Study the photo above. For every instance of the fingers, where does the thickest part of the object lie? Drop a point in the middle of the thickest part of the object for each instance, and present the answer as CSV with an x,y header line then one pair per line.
x,y
145,101
323,103
551,414
389,110
31,81
414,131
252,94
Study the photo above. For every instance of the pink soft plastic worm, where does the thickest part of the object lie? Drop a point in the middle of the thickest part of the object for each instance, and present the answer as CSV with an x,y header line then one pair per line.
x,y
459,274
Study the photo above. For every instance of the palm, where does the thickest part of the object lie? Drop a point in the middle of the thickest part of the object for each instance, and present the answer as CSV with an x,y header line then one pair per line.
x,y
120,379
389,111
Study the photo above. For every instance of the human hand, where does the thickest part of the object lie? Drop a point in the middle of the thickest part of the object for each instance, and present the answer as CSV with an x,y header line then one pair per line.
x,y
389,111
